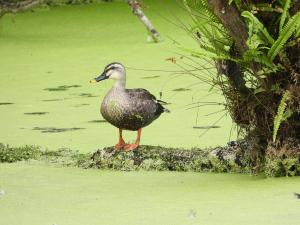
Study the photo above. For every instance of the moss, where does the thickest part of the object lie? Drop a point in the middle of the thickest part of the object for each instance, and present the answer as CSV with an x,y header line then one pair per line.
x,y
157,158
152,164
170,159
278,167
63,156
10,154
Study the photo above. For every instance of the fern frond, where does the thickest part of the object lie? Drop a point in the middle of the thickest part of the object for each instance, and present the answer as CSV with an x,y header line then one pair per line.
x,y
207,29
287,5
209,53
259,56
280,116
256,26
237,3
292,26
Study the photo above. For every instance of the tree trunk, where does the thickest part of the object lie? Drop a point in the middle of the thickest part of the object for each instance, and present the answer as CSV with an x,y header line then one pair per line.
x,y
136,9
255,112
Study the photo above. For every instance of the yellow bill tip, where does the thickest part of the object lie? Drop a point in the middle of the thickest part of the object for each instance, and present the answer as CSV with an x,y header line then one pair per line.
x,y
93,81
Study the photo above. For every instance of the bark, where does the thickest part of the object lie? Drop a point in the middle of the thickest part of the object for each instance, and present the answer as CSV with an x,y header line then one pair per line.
x,y
234,73
9,7
136,9
232,22
295,8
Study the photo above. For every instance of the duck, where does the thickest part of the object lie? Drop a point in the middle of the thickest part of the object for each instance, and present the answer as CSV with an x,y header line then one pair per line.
x,y
127,109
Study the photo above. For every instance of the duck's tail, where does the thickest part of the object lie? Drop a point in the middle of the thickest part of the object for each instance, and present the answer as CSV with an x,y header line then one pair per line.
x,y
161,108
162,103
166,110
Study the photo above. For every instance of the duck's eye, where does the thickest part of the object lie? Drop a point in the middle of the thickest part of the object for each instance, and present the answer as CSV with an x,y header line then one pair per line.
x,y
111,68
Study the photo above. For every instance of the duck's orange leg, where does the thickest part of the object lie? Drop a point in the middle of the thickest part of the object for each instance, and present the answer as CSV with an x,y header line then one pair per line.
x,y
130,147
121,143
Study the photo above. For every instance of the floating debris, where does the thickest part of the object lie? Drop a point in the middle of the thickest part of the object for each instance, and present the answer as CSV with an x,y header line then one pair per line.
x,y
205,127
36,113
6,103
52,100
192,214
97,121
79,105
56,130
150,77
2,193
181,89
62,88
88,95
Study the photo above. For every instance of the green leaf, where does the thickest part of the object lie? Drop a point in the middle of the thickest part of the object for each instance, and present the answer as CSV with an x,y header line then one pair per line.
x,y
292,26
284,14
281,113
257,26
259,90
237,3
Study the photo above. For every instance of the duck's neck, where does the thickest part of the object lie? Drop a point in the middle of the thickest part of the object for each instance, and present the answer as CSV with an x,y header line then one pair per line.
x,y
120,84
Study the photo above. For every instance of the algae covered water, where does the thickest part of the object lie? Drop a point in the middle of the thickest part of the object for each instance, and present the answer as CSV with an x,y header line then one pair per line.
x,y
48,57
38,194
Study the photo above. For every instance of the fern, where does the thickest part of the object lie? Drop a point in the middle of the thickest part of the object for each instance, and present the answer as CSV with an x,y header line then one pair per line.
x,y
284,14
282,114
237,3
208,30
256,26
292,26
208,53
259,56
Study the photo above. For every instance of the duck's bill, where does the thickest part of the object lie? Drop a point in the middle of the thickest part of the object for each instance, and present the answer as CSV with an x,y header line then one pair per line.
x,y
99,78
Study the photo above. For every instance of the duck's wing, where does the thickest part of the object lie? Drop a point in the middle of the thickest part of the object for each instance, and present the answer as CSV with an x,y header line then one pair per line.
x,y
141,94
143,97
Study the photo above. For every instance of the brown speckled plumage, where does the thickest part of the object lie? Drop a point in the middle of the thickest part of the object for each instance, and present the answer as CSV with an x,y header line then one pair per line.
x,y
127,109
130,109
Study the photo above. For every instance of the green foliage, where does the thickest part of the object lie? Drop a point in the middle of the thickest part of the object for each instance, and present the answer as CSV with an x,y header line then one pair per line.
x,y
236,2
259,41
284,14
10,154
208,31
171,159
282,114
258,33
280,167
292,27
63,156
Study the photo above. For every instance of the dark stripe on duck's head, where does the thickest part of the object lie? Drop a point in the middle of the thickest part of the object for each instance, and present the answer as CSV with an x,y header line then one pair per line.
x,y
114,65
109,70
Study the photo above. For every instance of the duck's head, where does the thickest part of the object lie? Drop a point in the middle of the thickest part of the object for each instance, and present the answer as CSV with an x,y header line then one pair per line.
x,y
114,71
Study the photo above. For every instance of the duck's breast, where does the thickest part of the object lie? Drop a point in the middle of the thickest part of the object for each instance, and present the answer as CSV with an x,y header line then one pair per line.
x,y
129,111
113,107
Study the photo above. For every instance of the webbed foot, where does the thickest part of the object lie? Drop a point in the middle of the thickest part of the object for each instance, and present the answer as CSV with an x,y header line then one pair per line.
x,y
130,147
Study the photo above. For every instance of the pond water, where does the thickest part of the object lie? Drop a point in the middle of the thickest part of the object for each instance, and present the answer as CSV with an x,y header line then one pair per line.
x,y
48,57
39,194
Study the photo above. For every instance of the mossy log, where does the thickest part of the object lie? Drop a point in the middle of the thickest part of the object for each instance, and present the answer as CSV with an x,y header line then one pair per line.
x,y
234,158
222,159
